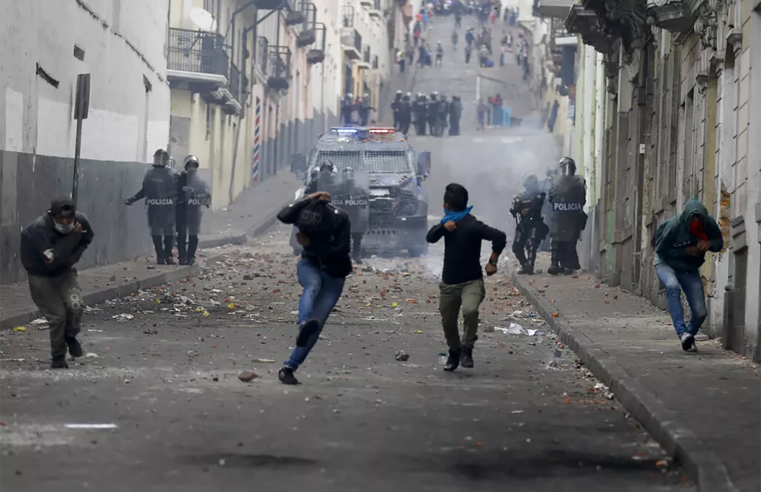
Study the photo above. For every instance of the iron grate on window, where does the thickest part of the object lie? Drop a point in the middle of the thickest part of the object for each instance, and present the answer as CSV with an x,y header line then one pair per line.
x,y
387,161
342,159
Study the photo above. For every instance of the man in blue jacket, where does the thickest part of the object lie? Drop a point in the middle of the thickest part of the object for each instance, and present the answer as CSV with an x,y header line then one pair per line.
x,y
681,243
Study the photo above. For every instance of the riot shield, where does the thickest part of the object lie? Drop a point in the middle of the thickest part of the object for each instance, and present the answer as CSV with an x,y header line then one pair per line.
x,y
329,182
159,187
353,197
197,198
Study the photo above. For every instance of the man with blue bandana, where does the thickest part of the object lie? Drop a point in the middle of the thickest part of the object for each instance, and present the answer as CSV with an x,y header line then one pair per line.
x,y
462,283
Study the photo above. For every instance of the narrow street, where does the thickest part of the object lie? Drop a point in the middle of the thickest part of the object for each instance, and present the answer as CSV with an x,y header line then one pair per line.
x,y
527,416
161,373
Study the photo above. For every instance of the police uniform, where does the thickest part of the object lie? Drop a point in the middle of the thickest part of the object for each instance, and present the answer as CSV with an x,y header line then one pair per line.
x,y
192,196
531,229
568,197
160,194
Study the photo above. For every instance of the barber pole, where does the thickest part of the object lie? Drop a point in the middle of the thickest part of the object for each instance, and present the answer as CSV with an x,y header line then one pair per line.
x,y
257,142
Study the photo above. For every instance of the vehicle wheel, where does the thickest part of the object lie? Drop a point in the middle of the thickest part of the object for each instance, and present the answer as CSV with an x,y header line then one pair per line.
x,y
418,251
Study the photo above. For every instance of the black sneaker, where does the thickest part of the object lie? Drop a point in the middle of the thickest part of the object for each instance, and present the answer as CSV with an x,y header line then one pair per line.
x,y
306,331
553,270
160,260
688,342
466,357
453,361
285,375
75,349
568,271
182,261
526,270
169,260
59,362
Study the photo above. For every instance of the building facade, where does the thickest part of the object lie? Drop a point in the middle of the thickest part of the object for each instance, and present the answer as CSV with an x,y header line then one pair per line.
x,y
668,102
44,46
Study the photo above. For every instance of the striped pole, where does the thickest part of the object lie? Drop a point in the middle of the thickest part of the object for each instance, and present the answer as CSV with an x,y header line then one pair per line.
x,y
257,142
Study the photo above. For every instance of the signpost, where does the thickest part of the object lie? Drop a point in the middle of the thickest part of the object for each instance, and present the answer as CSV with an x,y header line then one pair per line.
x,y
81,110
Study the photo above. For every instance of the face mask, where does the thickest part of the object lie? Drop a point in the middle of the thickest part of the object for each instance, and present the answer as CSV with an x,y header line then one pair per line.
x,y
192,170
64,228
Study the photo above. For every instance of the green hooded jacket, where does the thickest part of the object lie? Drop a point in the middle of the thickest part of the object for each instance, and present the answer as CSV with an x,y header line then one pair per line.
x,y
674,236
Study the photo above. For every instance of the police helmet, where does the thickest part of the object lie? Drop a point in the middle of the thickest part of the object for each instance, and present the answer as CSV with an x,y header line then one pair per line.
x,y
350,96
160,157
190,161
442,97
348,173
531,182
567,166
326,166
398,93
409,94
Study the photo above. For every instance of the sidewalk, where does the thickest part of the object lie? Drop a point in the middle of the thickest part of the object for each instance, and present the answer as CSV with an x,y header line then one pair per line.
x,y
704,409
253,212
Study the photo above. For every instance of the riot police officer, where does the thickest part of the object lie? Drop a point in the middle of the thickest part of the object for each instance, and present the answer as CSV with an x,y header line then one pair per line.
x,y
364,110
159,193
441,122
568,197
192,195
396,108
552,172
405,113
354,200
433,112
455,113
421,114
347,108
531,229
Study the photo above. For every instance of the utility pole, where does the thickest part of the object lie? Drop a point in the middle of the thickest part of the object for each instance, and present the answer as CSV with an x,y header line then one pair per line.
x,y
81,110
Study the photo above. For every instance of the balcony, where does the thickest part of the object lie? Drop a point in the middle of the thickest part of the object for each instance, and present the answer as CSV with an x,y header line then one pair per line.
x,y
307,35
675,16
364,62
376,9
234,94
366,3
197,58
317,53
555,9
275,63
351,42
592,29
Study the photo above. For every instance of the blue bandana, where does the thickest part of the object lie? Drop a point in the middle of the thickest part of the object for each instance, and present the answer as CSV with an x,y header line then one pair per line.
x,y
455,216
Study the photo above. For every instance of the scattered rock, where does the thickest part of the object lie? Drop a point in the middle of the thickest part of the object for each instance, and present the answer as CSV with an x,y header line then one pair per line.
x,y
247,376
402,356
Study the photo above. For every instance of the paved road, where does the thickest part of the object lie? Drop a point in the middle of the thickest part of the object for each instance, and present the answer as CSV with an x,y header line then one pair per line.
x,y
361,420
166,379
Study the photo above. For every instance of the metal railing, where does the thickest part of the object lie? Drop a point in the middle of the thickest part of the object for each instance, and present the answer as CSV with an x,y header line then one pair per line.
x,y
375,62
347,16
196,51
279,63
262,52
235,82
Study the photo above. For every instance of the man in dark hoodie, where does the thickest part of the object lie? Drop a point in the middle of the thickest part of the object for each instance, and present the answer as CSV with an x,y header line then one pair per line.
x,y
681,243
325,235
462,283
50,247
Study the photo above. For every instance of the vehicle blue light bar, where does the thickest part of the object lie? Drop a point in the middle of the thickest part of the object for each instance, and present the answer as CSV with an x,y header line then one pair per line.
x,y
344,131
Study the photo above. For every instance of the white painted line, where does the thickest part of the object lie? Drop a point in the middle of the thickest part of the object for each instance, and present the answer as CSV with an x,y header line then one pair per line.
x,y
478,140
91,426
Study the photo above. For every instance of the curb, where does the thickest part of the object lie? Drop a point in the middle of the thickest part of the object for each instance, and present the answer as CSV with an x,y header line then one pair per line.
x,y
679,441
222,241
123,290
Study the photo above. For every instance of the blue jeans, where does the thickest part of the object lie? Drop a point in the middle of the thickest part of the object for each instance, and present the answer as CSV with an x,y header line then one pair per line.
x,y
692,285
321,293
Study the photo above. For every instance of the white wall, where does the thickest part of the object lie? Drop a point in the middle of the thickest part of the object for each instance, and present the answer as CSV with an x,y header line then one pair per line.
x,y
123,42
326,76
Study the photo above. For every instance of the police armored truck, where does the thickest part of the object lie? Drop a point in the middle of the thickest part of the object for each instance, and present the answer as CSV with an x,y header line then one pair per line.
x,y
376,177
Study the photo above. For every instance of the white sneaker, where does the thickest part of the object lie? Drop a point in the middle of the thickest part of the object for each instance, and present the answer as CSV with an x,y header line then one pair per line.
x,y
688,342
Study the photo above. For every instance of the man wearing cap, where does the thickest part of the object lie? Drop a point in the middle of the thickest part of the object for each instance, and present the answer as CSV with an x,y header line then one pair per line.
x,y
159,193
50,247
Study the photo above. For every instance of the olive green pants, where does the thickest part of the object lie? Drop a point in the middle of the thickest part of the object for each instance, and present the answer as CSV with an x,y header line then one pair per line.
x,y
59,299
467,296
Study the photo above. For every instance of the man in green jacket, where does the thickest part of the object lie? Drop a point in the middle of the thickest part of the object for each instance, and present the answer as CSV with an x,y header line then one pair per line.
x,y
681,243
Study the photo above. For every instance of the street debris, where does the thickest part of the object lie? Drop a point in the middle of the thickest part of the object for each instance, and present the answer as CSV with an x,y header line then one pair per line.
x,y
91,355
263,361
91,426
20,329
40,323
402,356
122,318
150,331
247,376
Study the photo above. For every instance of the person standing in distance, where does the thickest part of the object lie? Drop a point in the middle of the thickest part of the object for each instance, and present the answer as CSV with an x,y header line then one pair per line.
x,y
462,283
159,193
50,247
325,235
